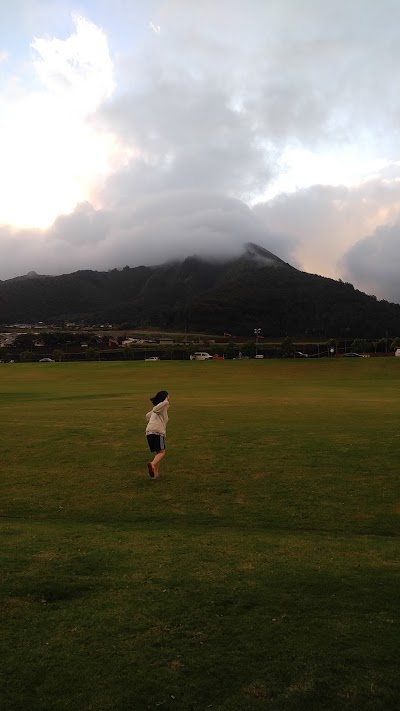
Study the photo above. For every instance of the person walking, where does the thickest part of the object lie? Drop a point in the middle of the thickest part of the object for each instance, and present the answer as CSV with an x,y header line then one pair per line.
x,y
156,431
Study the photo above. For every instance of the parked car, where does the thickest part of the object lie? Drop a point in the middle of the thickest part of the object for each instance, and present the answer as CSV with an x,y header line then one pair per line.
x,y
153,358
47,360
259,356
397,352
200,355
352,355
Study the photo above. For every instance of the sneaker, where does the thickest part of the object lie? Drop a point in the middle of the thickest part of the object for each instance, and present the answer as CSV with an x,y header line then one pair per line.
x,y
151,470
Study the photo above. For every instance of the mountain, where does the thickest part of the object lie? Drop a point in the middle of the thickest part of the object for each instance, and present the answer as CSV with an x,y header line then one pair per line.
x,y
29,275
257,289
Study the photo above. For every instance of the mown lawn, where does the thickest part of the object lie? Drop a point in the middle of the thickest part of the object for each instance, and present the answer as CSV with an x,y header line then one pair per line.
x,y
259,571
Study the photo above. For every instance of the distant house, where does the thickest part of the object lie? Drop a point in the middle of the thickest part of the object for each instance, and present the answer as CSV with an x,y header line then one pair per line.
x,y
131,341
6,341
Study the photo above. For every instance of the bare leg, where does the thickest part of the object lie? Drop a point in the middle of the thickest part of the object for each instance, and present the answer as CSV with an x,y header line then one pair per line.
x,y
156,462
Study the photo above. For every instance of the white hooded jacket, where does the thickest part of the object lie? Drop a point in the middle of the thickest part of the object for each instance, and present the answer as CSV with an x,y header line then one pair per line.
x,y
157,419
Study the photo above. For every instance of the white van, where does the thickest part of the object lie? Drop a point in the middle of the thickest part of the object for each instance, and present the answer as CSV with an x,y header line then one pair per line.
x,y
200,355
397,352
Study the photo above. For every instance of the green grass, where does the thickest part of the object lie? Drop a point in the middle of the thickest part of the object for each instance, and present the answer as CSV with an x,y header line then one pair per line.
x,y
259,571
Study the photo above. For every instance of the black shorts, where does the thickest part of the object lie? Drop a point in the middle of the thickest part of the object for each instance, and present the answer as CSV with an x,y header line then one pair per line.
x,y
156,442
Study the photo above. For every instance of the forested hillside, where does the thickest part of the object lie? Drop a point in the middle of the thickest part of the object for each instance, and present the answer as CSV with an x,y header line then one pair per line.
x,y
256,289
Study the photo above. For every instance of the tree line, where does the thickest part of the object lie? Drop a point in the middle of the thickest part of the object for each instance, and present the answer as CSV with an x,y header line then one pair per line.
x,y
202,296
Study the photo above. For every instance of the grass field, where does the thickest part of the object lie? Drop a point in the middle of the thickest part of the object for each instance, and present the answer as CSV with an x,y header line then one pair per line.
x,y
259,571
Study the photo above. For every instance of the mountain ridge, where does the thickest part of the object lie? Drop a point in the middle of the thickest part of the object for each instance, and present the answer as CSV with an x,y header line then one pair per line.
x,y
234,295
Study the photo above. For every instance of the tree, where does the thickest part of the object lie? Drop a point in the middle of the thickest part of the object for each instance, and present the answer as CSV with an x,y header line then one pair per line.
x,y
186,350
395,344
287,347
383,345
95,341
332,344
213,349
92,354
229,351
249,349
24,340
128,353
359,345
27,356
51,338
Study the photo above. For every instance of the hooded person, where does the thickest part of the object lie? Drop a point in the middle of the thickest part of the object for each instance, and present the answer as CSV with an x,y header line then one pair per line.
x,y
156,431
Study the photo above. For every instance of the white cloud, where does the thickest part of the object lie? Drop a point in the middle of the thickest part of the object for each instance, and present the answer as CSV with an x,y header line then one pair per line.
x,y
78,69
156,28
300,168
50,152
4,55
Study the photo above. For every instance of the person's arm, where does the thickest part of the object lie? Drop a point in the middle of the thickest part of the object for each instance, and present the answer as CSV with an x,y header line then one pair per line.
x,y
160,406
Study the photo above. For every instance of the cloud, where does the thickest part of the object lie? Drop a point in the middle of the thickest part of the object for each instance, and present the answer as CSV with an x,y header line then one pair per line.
x,y
222,111
156,228
20,249
157,149
156,28
374,262
50,152
84,226
3,55
185,134
326,221
303,71
78,68
168,225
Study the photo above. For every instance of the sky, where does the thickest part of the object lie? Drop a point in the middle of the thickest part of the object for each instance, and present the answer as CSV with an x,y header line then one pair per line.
x,y
137,131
